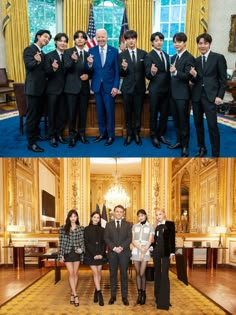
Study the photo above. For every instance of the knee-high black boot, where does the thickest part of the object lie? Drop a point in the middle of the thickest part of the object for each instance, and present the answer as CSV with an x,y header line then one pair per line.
x,y
143,297
139,296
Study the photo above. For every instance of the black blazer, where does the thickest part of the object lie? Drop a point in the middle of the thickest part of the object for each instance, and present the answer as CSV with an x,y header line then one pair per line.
x,y
169,238
123,239
74,70
213,78
161,81
94,241
180,88
56,79
134,75
35,82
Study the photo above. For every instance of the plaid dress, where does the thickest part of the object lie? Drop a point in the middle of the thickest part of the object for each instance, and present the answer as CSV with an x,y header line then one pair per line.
x,y
69,243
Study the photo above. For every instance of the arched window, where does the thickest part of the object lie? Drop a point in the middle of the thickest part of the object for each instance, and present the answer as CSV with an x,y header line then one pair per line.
x,y
169,18
108,14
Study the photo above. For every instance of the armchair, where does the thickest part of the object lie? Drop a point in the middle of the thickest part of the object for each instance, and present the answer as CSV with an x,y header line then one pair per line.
x,y
5,89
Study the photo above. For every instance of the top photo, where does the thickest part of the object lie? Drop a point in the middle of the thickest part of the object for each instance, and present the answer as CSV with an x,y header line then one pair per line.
x,y
118,78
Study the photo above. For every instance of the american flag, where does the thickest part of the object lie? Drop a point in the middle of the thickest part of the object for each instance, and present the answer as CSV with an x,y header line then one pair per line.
x,y
124,28
91,32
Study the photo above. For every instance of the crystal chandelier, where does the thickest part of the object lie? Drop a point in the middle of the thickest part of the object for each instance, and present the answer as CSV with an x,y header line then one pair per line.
x,y
116,195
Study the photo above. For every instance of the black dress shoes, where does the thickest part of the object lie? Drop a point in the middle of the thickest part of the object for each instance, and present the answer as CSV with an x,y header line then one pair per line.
x,y
53,142
155,142
99,138
177,145
138,140
35,148
109,141
125,301
83,139
164,141
185,152
128,140
72,142
112,300
62,140
202,151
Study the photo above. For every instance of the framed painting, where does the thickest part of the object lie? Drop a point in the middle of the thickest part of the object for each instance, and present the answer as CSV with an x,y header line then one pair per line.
x,y
232,34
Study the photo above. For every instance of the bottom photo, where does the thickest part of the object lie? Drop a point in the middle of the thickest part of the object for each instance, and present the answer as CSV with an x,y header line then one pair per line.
x,y
117,235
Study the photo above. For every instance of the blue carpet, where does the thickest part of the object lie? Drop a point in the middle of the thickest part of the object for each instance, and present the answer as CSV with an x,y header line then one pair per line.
x,y
14,145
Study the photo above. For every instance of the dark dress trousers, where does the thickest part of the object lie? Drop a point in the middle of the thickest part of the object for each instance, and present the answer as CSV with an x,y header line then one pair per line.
x,y
159,88
209,84
164,245
180,96
57,109
115,238
133,89
94,245
104,78
35,85
77,91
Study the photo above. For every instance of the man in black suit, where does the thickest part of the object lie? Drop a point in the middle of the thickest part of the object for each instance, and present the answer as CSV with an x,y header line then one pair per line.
x,y
118,237
35,84
181,64
209,84
164,249
57,111
157,68
77,88
133,87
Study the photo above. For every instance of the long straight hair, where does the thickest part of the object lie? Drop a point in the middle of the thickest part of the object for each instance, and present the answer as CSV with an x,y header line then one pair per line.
x,y
92,214
68,223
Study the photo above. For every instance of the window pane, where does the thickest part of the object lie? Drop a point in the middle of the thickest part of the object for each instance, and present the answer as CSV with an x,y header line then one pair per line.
x,y
165,29
174,28
164,14
175,14
165,2
175,1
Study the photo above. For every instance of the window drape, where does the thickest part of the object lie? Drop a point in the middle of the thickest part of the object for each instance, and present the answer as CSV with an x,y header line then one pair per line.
x,y
196,23
16,33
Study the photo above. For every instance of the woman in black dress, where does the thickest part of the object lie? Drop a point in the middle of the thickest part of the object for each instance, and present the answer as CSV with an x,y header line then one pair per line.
x,y
95,252
71,242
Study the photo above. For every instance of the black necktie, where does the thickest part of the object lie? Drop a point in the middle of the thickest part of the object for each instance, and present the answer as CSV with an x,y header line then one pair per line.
x,y
162,58
62,59
118,226
176,59
81,56
203,62
133,57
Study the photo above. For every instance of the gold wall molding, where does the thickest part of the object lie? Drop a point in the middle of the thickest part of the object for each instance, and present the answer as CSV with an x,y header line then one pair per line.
x,y
232,167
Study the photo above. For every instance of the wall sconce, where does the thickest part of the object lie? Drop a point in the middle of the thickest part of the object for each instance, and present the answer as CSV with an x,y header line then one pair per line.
x,y
14,229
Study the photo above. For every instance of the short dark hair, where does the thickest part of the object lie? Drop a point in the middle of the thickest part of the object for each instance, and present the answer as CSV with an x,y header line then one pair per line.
x,y
130,34
119,206
141,211
154,35
207,37
76,35
40,33
60,35
180,37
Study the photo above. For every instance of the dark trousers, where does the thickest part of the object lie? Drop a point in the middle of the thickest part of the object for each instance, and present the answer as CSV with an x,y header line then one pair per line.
x,y
121,260
159,103
35,109
162,282
180,113
105,107
133,107
209,108
77,106
57,114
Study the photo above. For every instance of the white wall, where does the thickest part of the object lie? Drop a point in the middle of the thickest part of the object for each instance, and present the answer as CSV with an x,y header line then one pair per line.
x,y
219,25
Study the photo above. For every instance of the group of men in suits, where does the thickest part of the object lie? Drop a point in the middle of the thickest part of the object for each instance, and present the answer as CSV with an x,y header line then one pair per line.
x,y
172,84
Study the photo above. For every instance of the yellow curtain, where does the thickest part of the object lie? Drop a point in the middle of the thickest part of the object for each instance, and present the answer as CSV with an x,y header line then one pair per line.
x,y
76,16
16,33
196,22
139,14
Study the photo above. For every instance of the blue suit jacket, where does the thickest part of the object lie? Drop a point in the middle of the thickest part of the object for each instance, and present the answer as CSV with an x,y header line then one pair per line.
x,y
109,73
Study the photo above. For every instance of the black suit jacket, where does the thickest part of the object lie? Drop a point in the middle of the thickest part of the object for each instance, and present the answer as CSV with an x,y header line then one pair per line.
x,y
169,238
74,70
213,78
115,239
134,75
56,79
35,82
180,88
161,81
